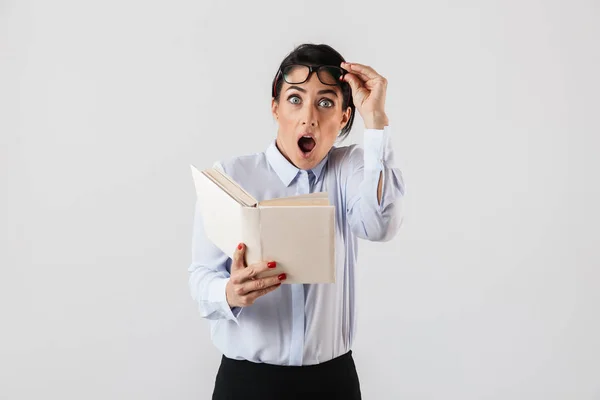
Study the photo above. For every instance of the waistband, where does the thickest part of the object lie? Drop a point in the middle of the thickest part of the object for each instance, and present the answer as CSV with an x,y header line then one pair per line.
x,y
342,360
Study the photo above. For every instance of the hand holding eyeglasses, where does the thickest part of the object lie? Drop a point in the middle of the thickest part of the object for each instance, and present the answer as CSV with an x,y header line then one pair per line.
x,y
368,93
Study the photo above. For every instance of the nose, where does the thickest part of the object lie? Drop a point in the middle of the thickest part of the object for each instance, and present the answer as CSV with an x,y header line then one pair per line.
x,y
309,116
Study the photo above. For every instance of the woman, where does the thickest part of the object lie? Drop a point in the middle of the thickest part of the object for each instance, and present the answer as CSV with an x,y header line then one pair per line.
x,y
294,341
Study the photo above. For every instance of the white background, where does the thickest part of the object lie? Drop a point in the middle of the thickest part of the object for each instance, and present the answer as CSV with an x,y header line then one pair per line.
x,y
490,291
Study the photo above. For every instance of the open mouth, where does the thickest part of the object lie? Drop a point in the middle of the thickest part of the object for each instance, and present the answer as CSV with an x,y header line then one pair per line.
x,y
306,144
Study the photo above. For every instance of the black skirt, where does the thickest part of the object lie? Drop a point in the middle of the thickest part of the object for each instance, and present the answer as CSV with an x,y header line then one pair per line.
x,y
245,380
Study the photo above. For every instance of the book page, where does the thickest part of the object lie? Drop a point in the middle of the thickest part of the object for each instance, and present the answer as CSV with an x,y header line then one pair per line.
x,y
230,186
311,199
293,202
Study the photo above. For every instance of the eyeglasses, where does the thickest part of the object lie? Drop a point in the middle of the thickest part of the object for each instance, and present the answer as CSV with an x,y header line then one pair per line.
x,y
295,74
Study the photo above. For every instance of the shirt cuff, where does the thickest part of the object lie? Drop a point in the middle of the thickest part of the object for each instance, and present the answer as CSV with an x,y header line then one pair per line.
x,y
376,145
218,291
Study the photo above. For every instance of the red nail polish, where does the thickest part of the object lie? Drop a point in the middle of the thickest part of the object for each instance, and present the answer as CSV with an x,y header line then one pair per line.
x,y
281,277
239,246
271,264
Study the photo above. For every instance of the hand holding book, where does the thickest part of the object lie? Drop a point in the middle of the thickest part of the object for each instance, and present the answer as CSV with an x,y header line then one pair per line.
x,y
244,285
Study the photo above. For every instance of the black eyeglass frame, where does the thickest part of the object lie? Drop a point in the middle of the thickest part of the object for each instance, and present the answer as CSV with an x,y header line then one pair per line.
x,y
311,69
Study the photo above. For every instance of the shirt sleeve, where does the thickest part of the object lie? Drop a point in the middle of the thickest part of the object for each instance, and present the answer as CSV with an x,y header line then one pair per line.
x,y
368,218
209,273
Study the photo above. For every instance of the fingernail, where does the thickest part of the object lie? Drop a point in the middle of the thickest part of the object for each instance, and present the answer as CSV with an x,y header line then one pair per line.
x,y
281,277
271,264
239,246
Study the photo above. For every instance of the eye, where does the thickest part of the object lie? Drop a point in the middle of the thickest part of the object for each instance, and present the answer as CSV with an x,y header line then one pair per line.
x,y
294,99
326,103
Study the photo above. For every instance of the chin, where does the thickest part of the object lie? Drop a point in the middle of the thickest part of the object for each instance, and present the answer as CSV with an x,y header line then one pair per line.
x,y
305,164
306,153
307,160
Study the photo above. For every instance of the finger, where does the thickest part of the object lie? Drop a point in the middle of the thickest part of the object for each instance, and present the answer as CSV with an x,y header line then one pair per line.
x,y
238,258
257,285
252,271
354,82
252,296
358,91
365,70
369,83
361,76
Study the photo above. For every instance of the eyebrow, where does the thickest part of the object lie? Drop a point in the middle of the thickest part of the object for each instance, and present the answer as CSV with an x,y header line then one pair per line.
x,y
324,91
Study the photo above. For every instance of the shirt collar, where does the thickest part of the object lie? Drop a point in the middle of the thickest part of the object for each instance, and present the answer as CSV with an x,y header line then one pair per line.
x,y
285,169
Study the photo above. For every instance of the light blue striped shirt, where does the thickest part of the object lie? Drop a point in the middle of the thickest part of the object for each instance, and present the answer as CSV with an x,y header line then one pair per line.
x,y
301,324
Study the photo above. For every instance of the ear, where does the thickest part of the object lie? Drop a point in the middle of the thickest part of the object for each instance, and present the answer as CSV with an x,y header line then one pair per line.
x,y
275,109
345,117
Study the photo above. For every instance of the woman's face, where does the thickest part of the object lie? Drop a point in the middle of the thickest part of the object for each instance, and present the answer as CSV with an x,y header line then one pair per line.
x,y
310,117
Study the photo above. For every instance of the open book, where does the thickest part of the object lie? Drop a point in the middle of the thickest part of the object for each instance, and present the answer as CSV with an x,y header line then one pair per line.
x,y
296,232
